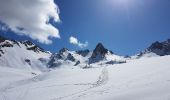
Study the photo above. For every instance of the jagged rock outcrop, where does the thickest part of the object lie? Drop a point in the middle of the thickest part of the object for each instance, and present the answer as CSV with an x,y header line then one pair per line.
x,y
63,50
115,62
36,49
31,54
53,62
157,48
70,57
98,53
31,46
160,48
21,54
77,63
28,61
27,43
7,44
58,59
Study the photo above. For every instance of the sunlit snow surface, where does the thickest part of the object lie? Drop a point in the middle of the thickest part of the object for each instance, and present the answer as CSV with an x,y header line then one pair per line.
x,y
142,79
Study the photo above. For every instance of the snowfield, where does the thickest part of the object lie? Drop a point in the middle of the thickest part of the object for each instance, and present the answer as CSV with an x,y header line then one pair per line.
x,y
142,79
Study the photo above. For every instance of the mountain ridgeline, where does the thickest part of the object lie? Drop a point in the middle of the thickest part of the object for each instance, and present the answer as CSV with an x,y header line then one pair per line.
x,y
157,48
26,54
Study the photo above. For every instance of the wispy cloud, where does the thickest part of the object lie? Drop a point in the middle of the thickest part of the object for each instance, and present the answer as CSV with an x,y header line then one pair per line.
x,y
75,41
31,18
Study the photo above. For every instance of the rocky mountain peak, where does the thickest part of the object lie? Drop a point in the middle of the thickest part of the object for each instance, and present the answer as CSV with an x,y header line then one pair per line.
x,y
100,50
70,57
31,46
27,43
159,48
98,53
63,50
36,49
156,45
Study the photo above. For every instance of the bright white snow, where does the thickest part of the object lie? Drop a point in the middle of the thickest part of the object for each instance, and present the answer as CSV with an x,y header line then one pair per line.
x,y
142,79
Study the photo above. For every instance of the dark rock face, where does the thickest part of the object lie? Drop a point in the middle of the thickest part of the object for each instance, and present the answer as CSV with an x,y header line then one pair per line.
x,y
28,61
58,56
83,53
70,57
111,51
1,52
63,50
77,63
57,59
115,62
98,53
32,46
16,42
156,45
27,43
53,63
36,49
6,44
160,48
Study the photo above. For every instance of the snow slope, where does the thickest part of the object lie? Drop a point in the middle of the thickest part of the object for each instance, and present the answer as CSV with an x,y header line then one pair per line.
x,y
22,55
142,79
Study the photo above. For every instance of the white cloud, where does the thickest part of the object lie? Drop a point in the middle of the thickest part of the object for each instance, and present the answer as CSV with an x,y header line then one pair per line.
x,y
75,41
31,18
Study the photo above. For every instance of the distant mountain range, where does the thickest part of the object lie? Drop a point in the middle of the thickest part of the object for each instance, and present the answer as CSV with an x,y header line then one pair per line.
x,y
27,55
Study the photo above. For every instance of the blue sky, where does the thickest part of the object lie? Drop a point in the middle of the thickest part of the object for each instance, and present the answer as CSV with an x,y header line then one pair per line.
x,y
123,26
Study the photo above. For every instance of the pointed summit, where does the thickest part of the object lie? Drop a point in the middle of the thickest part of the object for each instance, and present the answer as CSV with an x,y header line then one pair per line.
x,y
99,51
27,43
63,50
158,48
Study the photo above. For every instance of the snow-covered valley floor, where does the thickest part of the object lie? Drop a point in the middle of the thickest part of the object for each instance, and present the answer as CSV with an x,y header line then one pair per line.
x,y
143,79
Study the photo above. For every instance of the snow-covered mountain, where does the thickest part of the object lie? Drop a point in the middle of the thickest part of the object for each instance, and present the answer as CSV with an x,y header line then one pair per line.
x,y
16,53
22,54
142,79
27,72
156,49
27,55
101,54
84,58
